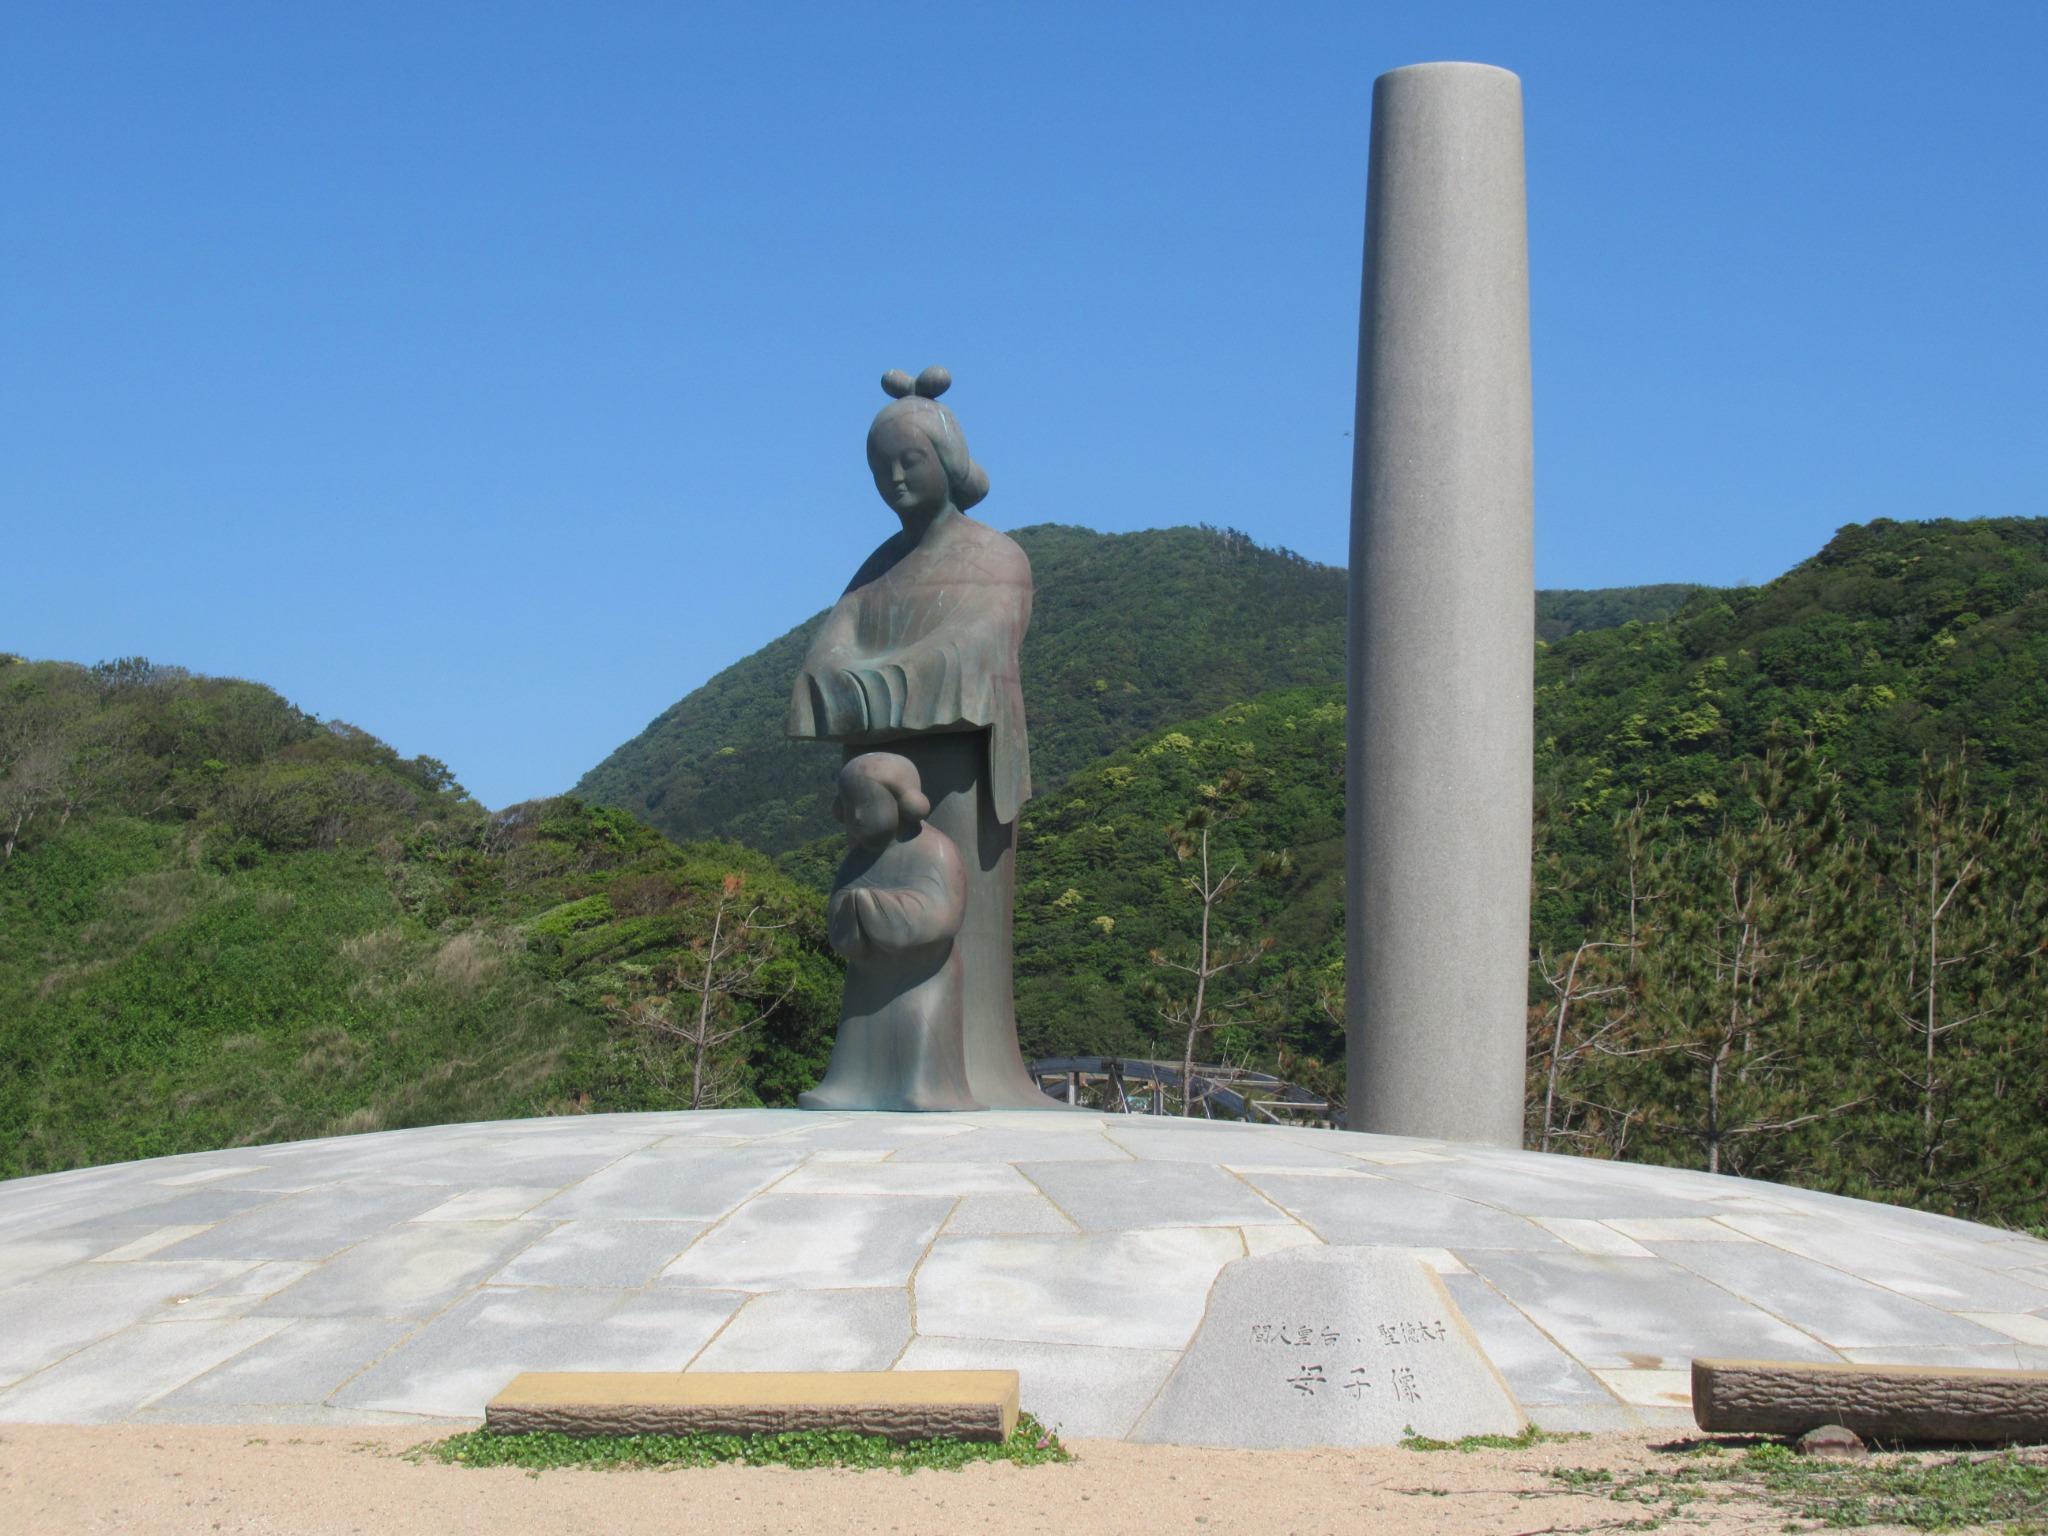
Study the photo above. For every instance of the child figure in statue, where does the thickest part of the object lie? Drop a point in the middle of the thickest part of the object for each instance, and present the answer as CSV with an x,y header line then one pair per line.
x,y
895,909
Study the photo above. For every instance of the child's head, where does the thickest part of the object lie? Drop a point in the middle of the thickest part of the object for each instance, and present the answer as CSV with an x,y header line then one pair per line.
x,y
879,797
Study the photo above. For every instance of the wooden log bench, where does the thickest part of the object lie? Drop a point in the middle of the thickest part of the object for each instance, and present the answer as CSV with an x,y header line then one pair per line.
x,y
1879,1402
902,1405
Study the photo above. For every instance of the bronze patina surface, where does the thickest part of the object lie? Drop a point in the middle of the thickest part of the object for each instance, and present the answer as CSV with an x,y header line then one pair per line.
x,y
919,656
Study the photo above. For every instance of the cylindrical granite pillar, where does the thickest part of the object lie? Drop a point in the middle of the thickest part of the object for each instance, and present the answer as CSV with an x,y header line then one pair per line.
x,y
1442,616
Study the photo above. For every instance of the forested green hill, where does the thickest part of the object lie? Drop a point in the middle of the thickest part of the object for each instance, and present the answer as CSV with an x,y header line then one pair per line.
x,y
1131,632
223,921
1564,612
1896,640
1742,811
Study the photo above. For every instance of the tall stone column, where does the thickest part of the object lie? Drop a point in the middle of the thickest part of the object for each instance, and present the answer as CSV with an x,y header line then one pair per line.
x,y
1442,616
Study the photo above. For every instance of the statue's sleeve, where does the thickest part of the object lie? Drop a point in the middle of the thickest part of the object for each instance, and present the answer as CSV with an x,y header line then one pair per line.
x,y
1009,745
825,703
925,909
842,924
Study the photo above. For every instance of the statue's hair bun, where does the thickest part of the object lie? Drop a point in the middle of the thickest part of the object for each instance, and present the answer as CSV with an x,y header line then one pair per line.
x,y
929,385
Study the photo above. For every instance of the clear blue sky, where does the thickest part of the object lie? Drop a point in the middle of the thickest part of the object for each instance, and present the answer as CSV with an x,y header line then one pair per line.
x,y
491,375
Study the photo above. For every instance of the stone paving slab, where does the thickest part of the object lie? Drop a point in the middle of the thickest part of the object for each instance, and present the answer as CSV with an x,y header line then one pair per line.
x,y
1084,1393
1836,1308
1909,1258
1637,1314
1992,1357
1550,1384
1002,1145
322,1353
459,1361
409,1271
241,1293
1173,1144
601,1253
862,1330
689,1183
1124,1290
1549,1192
108,1380
2027,1327
814,1242
835,1173
30,1258
314,1225
173,1208
995,1215
1111,1197
1380,1209
405,1276
45,1320
502,1202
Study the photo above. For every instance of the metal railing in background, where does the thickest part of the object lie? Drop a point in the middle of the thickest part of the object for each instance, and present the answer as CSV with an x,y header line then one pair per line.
x,y
1129,1085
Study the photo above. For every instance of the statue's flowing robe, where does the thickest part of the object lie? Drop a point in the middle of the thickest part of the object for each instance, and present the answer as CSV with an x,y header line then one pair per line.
x,y
894,913
925,638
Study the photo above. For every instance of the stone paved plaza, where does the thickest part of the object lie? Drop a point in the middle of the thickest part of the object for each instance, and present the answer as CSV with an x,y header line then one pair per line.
x,y
406,1276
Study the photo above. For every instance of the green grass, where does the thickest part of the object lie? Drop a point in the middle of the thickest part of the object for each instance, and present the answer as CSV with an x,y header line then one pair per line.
x,y
2005,1490
164,1006
1031,1445
1532,1435
258,933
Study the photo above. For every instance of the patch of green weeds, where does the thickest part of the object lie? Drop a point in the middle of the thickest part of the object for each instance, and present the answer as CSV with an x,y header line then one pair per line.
x,y
1580,1478
2005,1490
1031,1445
1411,1441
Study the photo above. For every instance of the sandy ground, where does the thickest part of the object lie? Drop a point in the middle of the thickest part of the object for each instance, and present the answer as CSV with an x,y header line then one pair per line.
x,y
269,1481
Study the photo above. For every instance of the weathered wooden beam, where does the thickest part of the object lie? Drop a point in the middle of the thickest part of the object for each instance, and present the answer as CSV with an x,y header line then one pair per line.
x,y
903,1405
1879,1402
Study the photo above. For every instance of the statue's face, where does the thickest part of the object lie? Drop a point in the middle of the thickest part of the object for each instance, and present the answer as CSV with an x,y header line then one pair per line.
x,y
907,470
869,810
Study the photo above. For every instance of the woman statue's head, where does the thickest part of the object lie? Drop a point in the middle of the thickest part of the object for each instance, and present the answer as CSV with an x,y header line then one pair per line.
x,y
917,452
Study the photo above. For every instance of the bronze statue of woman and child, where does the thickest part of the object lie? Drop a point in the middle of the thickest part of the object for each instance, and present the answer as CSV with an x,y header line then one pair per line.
x,y
914,672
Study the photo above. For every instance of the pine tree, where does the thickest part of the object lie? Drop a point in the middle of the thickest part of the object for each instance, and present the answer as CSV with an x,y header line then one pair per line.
x,y
1730,975
1951,976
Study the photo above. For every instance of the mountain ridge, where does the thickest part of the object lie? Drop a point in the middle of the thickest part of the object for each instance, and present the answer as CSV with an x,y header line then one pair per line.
x,y
1131,632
